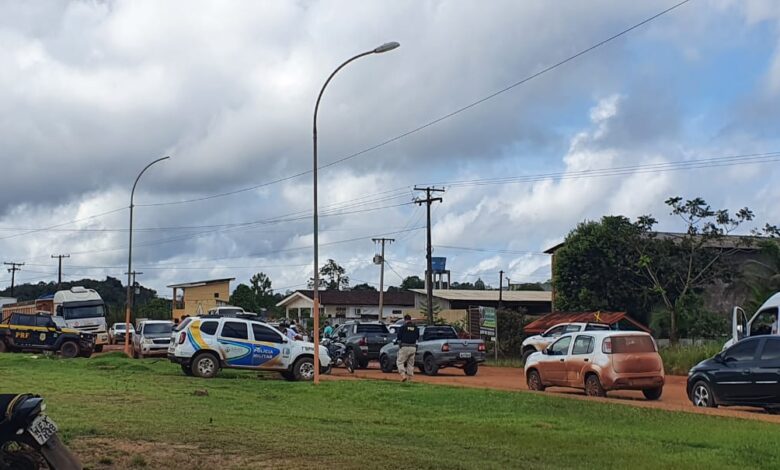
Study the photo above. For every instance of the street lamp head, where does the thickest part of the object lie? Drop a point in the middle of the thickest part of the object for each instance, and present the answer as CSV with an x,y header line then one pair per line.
x,y
388,46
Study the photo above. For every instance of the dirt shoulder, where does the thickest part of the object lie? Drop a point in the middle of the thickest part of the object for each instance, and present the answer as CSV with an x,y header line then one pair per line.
x,y
674,397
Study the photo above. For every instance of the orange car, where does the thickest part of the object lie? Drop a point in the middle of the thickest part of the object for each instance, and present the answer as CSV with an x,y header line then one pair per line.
x,y
598,361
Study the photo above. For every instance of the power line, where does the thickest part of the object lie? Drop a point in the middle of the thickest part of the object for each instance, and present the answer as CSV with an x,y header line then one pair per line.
x,y
488,250
434,121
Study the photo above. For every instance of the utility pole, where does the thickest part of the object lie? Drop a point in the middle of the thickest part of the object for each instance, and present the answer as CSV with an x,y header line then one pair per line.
x,y
429,270
382,273
500,305
132,275
13,268
59,271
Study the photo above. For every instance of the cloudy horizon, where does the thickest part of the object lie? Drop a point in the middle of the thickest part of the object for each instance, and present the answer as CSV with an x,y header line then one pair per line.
x,y
92,91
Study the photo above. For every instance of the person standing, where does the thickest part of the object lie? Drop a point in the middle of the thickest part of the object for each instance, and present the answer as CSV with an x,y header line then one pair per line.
x,y
407,342
328,330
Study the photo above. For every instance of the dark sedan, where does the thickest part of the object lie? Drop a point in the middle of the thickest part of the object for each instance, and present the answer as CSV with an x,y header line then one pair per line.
x,y
746,374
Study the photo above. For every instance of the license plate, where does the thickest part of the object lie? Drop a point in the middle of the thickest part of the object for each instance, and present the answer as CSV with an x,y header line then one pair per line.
x,y
42,428
465,355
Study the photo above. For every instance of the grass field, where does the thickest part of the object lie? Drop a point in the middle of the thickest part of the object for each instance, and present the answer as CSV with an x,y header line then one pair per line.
x,y
122,413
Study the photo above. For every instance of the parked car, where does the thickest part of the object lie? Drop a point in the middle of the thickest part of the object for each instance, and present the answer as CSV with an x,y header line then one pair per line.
x,y
116,334
152,338
747,374
227,311
363,339
538,343
438,347
207,344
393,327
43,331
599,361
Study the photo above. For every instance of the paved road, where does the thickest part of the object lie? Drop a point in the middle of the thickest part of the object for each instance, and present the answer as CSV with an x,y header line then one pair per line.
x,y
507,378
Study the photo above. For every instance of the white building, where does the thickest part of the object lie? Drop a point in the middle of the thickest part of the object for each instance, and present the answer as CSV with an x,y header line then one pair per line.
x,y
339,306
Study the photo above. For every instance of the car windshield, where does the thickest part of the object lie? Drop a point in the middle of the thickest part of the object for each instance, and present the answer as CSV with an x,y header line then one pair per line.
x,y
632,344
84,311
372,328
157,328
183,324
439,332
120,326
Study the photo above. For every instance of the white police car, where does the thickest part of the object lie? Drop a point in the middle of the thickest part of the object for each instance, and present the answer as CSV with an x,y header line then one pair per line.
x,y
206,344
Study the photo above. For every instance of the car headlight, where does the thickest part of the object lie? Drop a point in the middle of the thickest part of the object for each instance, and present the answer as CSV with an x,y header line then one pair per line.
x,y
148,341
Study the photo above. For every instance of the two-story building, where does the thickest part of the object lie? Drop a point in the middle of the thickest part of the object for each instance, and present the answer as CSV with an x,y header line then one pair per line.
x,y
196,298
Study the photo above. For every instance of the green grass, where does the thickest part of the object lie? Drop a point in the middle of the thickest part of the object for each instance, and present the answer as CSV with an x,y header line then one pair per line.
x,y
504,362
678,359
117,402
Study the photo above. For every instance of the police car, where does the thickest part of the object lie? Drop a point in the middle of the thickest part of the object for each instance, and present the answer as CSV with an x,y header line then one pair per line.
x,y
44,332
208,343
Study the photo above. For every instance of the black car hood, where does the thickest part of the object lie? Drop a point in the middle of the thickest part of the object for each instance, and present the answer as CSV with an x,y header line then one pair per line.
x,y
710,363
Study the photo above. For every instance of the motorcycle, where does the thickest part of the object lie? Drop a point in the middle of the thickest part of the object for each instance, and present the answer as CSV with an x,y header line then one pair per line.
x,y
339,356
29,438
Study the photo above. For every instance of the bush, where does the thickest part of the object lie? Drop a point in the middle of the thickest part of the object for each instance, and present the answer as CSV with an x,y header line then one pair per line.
x,y
678,359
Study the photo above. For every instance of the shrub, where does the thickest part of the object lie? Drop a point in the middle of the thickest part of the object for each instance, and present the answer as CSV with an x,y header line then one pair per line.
x,y
678,359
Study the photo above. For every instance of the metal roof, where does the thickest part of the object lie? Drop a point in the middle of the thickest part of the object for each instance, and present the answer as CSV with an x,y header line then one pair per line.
x,y
490,295
202,283
353,297
552,319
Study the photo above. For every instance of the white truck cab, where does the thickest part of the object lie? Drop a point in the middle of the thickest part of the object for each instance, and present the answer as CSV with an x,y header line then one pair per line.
x,y
83,309
763,322
206,344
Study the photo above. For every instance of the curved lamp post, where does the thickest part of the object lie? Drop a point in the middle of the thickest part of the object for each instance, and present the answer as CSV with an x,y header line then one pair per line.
x,y
316,307
130,258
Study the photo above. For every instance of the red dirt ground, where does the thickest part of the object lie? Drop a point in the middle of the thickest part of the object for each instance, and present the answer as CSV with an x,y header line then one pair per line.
x,y
508,378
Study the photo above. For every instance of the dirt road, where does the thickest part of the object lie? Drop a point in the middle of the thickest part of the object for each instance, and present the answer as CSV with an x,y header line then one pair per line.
x,y
506,378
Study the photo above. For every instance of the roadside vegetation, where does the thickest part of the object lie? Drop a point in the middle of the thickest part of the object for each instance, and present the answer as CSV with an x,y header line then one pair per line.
x,y
124,413
678,359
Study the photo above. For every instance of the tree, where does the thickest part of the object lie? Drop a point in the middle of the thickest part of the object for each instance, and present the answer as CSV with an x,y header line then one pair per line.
x,y
332,277
155,309
762,277
412,282
678,267
364,286
244,297
597,269
263,292
479,284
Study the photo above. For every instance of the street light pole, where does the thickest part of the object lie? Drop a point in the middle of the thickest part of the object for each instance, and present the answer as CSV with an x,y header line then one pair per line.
x,y
130,258
316,300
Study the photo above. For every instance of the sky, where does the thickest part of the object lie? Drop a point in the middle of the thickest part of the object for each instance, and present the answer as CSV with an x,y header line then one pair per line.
x,y
93,91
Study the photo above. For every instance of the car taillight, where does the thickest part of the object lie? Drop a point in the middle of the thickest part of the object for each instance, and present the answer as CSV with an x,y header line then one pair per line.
x,y
182,337
606,346
362,342
481,347
445,347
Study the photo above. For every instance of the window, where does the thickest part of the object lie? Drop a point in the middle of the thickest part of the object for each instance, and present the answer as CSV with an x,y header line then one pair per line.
x,y
397,312
432,333
25,320
358,311
771,350
765,323
583,345
43,320
632,344
263,333
742,351
341,312
557,331
209,327
560,347
596,327
372,328
571,329
234,329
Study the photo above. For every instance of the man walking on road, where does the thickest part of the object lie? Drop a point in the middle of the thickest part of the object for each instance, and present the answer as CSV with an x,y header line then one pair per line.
x,y
407,341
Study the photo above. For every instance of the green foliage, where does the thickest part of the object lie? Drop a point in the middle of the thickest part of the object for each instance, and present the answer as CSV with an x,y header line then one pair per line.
x,y
155,309
332,277
679,359
694,321
596,269
433,420
364,286
510,332
412,282
244,297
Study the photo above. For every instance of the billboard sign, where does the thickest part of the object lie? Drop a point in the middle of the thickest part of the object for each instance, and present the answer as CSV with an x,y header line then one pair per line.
x,y
487,325
438,264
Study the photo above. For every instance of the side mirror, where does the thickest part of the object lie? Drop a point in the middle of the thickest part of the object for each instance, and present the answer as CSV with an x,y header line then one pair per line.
x,y
545,351
739,328
59,310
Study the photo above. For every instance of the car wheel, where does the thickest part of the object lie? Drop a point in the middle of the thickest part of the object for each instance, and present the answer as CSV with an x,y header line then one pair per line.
x,y
69,349
363,364
384,363
304,369
186,369
701,395
471,368
535,381
773,411
205,366
653,393
593,387
3,346
288,375
526,355
429,365
98,348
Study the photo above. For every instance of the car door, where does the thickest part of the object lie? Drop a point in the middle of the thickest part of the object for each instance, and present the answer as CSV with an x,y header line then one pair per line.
x,y
578,360
766,372
23,326
555,367
268,348
45,338
734,380
234,345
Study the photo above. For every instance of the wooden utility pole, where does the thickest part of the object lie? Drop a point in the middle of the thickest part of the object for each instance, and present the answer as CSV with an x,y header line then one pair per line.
x,y
59,271
132,275
429,251
382,273
14,267
500,304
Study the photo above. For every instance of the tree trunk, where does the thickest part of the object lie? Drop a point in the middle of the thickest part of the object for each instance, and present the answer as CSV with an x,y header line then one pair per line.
x,y
673,326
